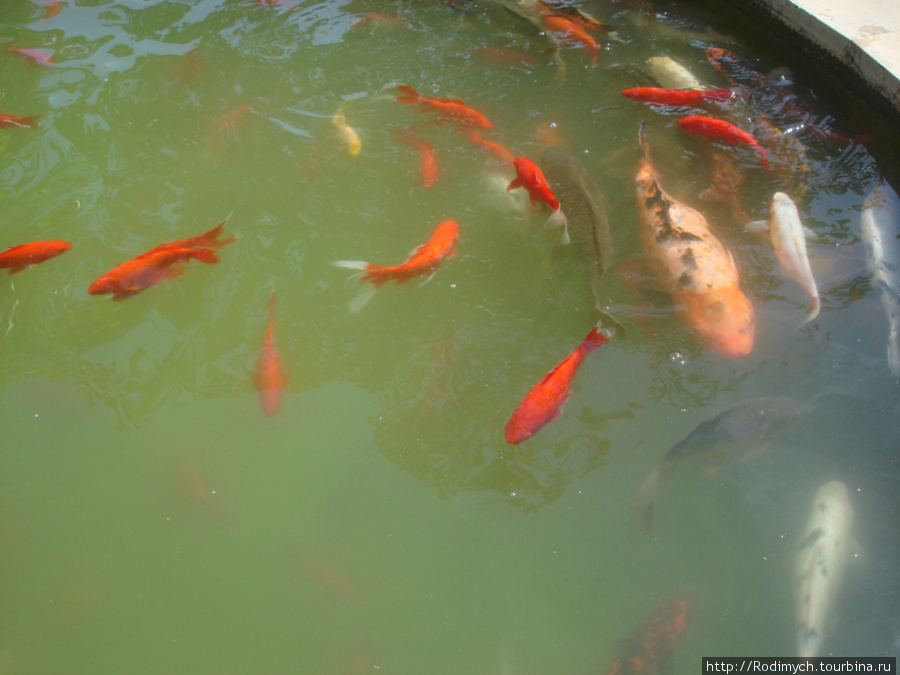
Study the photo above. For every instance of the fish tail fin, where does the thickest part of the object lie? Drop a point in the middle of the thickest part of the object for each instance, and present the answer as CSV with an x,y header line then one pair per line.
x,y
813,311
558,219
642,141
763,155
30,121
205,255
643,502
351,264
361,299
596,338
408,94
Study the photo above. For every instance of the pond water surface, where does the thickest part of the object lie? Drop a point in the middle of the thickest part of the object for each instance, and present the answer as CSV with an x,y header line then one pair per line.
x,y
155,520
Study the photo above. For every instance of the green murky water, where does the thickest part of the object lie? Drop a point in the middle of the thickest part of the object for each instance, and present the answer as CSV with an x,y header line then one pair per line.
x,y
155,521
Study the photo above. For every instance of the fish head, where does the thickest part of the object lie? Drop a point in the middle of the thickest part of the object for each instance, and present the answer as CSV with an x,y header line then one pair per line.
x,y
724,321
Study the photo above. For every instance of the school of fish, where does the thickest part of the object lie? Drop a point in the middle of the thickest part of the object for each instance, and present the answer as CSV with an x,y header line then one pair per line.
x,y
688,253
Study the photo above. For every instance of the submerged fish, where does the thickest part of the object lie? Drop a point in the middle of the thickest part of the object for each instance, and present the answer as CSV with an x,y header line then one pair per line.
x,y
269,378
544,402
347,133
672,75
789,242
648,649
17,258
822,557
586,212
720,129
693,266
530,177
880,232
747,427
447,109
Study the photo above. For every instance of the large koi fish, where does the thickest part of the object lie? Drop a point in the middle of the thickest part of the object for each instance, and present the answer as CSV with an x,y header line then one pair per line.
x,y
693,266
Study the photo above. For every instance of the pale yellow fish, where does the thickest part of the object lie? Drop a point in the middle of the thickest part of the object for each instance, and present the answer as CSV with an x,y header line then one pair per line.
x,y
670,74
348,134
822,556
789,243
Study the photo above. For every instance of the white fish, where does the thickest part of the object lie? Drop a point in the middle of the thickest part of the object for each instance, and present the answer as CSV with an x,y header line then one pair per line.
x,y
822,557
879,231
672,75
790,247
347,133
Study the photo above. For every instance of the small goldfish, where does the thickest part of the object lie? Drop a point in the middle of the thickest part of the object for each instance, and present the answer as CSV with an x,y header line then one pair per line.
x,y
571,31
424,260
227,125
530,177
693,266
13,121
544,402
53,8
648,649
347,133
713,128
270,379
679,97
34,56
19,257
149,269
429,165
448,109
156,265
496,150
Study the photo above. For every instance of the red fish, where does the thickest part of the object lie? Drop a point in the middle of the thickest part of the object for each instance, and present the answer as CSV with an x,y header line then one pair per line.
x,y
53,8
148,269
19,257
713,128
737,69
681,97
270,379
13,121
570,30
648,650
543,403
429,166
496,150
530,177
157,264
448,109
424,260
35,56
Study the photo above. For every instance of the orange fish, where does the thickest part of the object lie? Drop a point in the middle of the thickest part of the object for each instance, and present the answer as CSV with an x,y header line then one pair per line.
x,y
424,260
448,109
543,403
571,31
270,379
648,650
693,266
34,56
499,152
530,177
19,257
429,166
713,128
227,125
158,264
679,97
53,8
13,121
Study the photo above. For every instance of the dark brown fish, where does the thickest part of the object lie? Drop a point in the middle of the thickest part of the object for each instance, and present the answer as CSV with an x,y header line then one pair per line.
x,y
747,427
588,222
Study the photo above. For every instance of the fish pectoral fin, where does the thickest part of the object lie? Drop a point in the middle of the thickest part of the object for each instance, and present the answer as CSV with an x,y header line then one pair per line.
x,y
428,277
755,451
757,227
174,271
515,183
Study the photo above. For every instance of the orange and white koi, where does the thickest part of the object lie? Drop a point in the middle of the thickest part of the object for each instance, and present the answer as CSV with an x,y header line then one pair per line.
x,y
428,162
34,56
530,177
677,97
544,402
270,379
425,259
19,257
448,109
496,150
14,121
649,648
720,129
693,266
